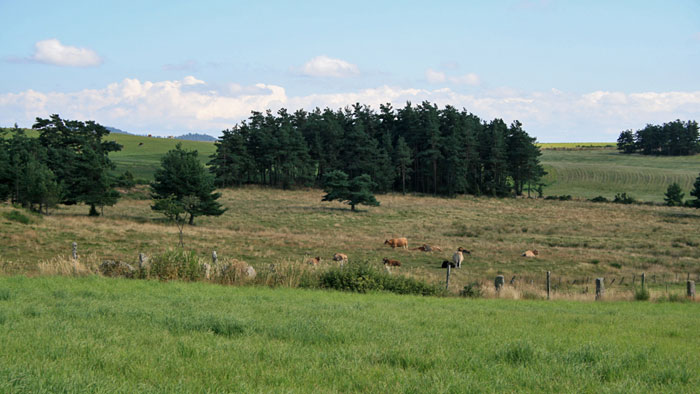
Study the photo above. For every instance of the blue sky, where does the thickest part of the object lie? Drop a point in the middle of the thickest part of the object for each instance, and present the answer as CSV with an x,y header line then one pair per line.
x,y
569,70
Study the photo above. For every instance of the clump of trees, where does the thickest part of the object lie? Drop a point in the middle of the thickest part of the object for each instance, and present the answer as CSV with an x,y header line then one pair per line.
x,y
69,164
675,138
419,149
353,191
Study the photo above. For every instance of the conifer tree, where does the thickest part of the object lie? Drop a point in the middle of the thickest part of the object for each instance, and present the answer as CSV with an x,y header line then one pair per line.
x,y
403,162
674,195
696,193
352,192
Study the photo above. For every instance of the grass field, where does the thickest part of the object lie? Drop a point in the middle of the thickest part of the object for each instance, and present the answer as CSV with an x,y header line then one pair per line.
x,y
575,145
590,173
576,240
110,335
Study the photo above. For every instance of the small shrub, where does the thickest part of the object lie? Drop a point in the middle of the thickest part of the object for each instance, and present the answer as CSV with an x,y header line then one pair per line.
x,y
563,197
595,261
616,265
362,277
623,198
599,199
674,298
17,216
641,294
530,295
472,290
176,264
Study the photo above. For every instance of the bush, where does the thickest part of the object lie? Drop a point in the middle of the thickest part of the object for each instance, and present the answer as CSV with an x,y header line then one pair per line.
x,y
176,264
362,277
641,294
472,290
599,199
616,265
17,216
623,198
563,197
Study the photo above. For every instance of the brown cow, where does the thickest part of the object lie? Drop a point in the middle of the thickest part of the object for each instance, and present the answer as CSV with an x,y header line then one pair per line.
x,y
531,253
391,263
340,257
314,261
397,242
464,251
428,248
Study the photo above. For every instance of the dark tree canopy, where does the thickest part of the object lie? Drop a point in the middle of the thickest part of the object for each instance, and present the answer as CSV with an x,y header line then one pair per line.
x,y
674,195
696,193
421,149
352,192
675,138
183,178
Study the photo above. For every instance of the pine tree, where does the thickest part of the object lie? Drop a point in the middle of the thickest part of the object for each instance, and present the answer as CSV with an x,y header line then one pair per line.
x,y
184,177
403,162
696,193
354,192
626,142
674,195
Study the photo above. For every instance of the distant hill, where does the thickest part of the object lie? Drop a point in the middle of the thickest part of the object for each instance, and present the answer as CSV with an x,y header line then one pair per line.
x,y
196,137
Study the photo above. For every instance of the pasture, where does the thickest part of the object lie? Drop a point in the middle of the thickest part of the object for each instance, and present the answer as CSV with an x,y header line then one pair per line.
x,y
108,335
576,240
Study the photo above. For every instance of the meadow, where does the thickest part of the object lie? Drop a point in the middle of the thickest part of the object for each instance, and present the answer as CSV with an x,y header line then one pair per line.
x,y
577,240
96,334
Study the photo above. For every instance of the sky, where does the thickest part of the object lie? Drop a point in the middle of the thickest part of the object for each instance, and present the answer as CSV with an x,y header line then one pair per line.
x,y
570,71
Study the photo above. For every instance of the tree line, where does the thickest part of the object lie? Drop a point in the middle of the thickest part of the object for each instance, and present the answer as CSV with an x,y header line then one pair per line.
x,y
419,149
68,163
675,138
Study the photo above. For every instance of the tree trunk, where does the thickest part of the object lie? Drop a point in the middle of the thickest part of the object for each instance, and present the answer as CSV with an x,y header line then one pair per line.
x,y
191,222
403,178
352,207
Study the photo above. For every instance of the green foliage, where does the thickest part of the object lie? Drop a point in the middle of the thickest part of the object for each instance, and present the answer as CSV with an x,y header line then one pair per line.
x,y
599,199
183,177
361,277
125,180
354,192
176,264
623,198
641,294
472,290
696,193
675,138
674,195
17,216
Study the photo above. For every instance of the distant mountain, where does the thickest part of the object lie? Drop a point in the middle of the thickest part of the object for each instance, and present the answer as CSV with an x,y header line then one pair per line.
x,y
196,137
116,130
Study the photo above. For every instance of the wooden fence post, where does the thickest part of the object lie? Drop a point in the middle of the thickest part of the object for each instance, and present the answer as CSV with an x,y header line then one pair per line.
x,y
214,258
500,280
691,289
447,279
75,251
644,277
549,284
599,288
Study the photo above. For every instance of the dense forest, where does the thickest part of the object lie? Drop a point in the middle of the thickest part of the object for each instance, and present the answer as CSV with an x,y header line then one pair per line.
x,y
675,138
412,149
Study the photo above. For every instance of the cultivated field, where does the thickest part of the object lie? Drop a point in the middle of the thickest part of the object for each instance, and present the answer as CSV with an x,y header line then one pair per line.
x,y
577,240
109,335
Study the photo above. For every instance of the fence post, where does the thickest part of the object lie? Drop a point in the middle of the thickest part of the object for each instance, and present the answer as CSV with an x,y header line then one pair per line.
x,y
214,258
691,289
75,251
142,260
500,280
447,279
599,288
644,277
549,286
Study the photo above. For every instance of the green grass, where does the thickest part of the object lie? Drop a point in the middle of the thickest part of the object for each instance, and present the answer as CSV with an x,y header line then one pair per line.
x,y
590,173
106,335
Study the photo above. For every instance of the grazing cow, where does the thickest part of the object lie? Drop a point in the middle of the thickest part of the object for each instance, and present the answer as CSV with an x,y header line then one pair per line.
x,y
397,242
446,263
531,253
457,258
391,263
340,257
464,251
140,143
314,261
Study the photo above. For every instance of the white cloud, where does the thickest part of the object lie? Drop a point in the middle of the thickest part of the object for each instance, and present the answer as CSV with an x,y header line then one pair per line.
x,y
145,106
324,66
433,76
53,52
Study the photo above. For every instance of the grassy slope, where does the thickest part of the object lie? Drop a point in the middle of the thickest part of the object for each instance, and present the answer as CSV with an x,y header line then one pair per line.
x,y
589,173
107,335
263,226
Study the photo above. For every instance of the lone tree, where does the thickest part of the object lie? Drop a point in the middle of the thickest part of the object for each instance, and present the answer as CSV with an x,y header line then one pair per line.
x,y
696,193
173,210
674,195
183,178
354,192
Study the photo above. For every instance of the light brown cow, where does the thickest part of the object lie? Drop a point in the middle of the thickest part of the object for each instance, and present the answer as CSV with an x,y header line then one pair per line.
x,y
397,243
531,253
314,261
391,263
457,258
340,257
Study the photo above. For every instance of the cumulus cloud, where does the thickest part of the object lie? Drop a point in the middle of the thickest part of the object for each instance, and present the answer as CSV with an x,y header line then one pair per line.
x,y
146,106
324,66
433,76
53,52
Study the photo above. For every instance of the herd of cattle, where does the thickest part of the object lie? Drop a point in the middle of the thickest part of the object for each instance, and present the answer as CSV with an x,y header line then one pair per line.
x,y
457,257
